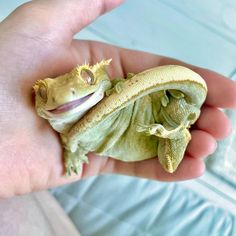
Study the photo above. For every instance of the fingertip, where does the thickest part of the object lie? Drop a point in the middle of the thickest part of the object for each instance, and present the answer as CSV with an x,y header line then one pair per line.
x,y
221,90
67,17
232,95
201,145
198,169
190,168
214,122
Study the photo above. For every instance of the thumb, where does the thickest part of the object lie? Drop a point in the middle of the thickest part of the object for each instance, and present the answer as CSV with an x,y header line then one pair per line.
x,y
63,18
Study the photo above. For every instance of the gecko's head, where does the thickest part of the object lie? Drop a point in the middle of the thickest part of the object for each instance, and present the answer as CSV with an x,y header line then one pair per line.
x,y
73,93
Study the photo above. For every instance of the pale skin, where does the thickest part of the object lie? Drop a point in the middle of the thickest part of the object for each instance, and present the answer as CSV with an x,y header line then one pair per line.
x,y
36,42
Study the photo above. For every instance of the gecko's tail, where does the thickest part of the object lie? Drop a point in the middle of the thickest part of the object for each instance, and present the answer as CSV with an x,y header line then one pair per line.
x,y
153,80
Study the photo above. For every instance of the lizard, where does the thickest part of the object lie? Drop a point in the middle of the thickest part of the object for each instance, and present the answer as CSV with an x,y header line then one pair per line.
x,y
145,115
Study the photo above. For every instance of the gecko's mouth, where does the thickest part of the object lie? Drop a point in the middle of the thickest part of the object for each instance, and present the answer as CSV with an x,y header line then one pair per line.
x,y
70,105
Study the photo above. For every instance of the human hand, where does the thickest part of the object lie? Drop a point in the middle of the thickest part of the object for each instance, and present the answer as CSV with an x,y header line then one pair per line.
x,y
36,42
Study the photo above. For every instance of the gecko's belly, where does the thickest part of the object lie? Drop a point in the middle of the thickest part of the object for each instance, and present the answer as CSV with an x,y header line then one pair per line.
x,y
117,136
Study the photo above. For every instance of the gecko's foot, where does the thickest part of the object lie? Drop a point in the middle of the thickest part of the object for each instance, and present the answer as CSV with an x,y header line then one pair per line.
x,y
117,86
74,164
153,129
160,131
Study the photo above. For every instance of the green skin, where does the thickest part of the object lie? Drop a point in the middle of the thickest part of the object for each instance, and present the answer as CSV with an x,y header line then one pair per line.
x,y
154,124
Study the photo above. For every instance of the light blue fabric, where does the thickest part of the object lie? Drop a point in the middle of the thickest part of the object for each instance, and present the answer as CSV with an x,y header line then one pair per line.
x,y
191,31
118,205
223,161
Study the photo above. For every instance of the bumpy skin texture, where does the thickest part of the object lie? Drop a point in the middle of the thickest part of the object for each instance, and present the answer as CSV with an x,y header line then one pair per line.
x,y
145,115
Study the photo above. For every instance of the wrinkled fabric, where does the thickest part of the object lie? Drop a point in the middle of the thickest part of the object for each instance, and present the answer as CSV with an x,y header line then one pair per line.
x,y
35,214
119,205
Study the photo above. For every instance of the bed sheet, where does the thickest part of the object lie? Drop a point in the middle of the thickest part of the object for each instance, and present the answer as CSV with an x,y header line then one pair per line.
x,y
119,205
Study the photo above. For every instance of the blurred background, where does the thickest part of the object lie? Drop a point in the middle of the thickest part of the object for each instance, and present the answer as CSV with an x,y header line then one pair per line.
x,y
198,32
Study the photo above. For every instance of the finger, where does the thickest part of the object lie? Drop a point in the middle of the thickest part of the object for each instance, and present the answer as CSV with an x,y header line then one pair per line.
x,y
189,168
201,145
60,17
73,15
221,90
151,169
214,122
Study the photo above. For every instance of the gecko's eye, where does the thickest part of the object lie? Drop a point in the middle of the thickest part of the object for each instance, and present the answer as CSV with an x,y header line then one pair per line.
x,y
88,76
43,92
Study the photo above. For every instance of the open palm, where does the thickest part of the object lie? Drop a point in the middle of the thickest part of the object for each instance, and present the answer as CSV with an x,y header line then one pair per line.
x,y
36,41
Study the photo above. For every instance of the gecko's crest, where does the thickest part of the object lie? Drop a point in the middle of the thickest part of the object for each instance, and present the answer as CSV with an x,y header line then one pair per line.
x,y
101,65
95,68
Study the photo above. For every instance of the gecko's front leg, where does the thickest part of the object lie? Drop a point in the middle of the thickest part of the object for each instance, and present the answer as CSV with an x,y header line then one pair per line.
x,y
160,131
74,156
74,161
